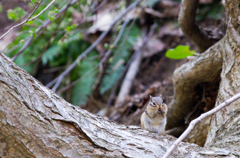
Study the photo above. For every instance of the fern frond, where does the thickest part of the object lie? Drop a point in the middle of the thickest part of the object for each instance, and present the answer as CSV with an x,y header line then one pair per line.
x,y
110,79
50,53
149,3
83,88
121,53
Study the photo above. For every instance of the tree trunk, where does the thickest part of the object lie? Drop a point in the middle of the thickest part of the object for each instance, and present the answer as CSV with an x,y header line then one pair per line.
x,y
35,122
224,56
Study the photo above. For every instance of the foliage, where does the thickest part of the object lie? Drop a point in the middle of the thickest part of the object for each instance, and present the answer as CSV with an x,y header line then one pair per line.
x,y
1,8
180,52
33,51
213,10
15,14
61,42
149,3
120,55
83,88
48,56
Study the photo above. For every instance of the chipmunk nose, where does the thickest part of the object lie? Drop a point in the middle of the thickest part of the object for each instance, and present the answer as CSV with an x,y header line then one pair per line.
x,y
159,111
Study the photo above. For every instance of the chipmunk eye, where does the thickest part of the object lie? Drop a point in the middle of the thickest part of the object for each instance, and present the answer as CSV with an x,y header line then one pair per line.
x,y
154,103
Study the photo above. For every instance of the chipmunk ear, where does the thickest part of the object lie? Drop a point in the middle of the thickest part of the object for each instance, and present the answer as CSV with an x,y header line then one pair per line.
x,y
160,95
150,97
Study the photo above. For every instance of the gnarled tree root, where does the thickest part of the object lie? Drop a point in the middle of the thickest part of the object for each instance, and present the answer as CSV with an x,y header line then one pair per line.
x,y
203,68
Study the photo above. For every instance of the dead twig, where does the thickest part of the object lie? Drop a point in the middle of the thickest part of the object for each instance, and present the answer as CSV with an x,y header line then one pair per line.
x,y
109,52
48,44
133,69
95,67
79,79
100,5
159,67
199,119
28,19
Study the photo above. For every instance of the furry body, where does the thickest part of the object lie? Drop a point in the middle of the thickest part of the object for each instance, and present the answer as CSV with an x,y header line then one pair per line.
x,y
154,117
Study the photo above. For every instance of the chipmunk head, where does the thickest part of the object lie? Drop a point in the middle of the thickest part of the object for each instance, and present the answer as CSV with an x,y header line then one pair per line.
x,y
156,105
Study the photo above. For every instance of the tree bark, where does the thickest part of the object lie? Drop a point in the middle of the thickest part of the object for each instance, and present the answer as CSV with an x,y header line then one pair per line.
x,y
223,56
35,122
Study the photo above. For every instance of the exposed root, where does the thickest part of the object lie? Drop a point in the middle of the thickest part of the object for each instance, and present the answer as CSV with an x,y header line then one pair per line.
x,y
187,77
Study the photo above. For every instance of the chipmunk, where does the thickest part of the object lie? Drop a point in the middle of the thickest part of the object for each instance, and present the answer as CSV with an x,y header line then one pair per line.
x,y
154,117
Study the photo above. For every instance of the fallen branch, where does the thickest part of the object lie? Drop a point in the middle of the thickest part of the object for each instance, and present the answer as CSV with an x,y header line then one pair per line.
x,y
114,89
100,65
133,69
94,69
48,116
101,71
199,119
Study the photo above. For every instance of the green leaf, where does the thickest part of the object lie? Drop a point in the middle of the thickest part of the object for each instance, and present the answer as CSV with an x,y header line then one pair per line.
x,y
51,15
83,2
1,8
106,45
29,22
33,1
21,43
32,33
56,10
15,14
24,0
180,52
70,28
72,38
10,14
119,27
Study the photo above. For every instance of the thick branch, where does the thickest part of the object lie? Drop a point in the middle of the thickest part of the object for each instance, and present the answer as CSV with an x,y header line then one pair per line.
x,y
35,122
132,71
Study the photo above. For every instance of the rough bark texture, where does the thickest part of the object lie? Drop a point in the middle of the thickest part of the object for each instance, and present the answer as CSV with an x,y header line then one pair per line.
x,y
230,84
35,122
199,133
224,56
